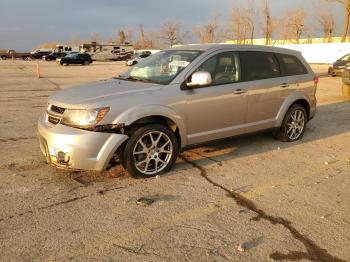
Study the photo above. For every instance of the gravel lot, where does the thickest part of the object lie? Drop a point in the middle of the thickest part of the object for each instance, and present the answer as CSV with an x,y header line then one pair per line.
x,y
250,198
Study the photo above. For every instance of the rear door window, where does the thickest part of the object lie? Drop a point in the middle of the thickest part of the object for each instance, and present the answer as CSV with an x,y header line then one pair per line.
x,y
291,65
260,65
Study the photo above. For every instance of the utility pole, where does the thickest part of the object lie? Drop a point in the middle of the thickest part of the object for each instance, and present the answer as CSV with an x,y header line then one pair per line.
x,y
268,23
346,20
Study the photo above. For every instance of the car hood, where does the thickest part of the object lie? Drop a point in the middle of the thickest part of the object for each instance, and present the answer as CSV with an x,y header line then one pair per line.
x,y
88,95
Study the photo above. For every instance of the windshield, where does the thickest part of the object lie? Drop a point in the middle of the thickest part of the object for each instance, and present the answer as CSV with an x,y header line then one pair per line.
x,y
73,55
345,58
161,67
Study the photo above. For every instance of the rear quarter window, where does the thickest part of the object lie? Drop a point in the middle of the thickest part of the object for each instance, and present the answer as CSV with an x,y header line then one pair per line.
x,y
291,65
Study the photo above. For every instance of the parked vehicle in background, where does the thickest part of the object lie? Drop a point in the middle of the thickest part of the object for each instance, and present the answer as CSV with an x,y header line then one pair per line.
x,y
39,53
137,58
346,81
64,48
338,66
107,52
175,99
54,55
13,54
75,59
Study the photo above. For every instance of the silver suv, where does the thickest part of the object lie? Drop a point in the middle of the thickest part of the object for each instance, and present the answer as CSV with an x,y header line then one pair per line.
x,y
176,98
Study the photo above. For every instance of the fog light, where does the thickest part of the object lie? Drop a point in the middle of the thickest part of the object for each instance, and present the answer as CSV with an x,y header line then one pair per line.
x,y
62,157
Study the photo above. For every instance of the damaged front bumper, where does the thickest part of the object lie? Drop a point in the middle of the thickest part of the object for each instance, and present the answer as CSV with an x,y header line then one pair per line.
x,y
72,148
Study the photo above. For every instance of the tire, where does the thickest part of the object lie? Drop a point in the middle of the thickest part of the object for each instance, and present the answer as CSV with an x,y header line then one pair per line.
x,y
293,125
86,63
3,58
151,150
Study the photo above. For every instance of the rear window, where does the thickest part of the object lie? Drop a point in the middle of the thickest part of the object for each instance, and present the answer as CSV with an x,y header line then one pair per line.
x,y
292,65
260,65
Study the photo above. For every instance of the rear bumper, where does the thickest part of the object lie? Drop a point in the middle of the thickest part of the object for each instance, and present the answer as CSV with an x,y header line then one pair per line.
x,y
77,149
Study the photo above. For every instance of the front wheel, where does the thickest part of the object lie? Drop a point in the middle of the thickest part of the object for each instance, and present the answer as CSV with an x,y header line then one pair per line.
x,y
293,125
151,150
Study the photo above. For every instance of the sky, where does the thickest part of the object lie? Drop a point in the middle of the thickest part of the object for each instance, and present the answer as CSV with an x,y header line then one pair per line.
x,y
25,24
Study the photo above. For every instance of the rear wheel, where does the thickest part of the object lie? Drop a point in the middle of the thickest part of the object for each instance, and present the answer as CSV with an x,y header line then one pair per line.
x,y
3,58
293,125
151,150
86,63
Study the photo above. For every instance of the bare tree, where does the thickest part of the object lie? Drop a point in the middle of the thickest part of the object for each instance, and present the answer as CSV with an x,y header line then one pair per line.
x,y
94,37
346,5
268,25
121,37
326,20
145,41
208,33
75,41
283,29
250,18
237,27
292,24
171,33
129,34
242,23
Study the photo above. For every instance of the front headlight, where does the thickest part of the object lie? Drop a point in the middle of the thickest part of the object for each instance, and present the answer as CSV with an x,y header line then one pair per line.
x,y
83,117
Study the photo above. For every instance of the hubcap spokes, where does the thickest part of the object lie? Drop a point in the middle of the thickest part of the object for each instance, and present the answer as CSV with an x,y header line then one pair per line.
x,y
152,152
296,124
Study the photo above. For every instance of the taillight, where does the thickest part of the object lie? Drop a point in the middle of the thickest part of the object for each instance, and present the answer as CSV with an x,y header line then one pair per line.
x,y
316,79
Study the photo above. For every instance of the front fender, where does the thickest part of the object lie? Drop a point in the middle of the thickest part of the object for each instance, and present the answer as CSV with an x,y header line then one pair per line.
x,y
297,95
135,113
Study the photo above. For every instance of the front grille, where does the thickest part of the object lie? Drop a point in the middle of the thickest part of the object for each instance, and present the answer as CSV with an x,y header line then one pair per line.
x,y
54,114
53,120
57,109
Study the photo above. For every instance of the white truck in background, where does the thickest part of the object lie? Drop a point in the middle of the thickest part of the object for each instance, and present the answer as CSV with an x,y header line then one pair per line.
x,y
107,52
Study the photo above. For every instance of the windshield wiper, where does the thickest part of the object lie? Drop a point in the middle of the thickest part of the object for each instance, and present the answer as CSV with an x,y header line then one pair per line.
x,y
133,78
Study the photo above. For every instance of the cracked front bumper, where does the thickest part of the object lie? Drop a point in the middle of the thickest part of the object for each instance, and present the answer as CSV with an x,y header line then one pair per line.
x,y
77,149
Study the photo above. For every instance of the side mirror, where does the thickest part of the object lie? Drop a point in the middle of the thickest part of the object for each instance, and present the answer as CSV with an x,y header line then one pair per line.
x,y
200,79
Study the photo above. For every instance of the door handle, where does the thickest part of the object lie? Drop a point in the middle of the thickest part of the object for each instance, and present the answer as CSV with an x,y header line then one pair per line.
x,y
240,91
284,85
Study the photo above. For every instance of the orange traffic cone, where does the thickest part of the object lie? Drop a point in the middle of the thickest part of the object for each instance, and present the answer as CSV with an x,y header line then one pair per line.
x,y
37,70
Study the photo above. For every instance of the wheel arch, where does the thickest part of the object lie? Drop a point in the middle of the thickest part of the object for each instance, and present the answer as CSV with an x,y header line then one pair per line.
x,y
295,98
143,115
157,119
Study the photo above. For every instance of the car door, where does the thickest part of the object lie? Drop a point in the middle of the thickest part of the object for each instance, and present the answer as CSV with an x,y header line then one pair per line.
x,y
266,88
79,59
218,110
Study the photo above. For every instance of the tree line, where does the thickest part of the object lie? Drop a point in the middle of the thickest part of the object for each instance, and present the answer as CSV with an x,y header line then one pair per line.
x,y
245,23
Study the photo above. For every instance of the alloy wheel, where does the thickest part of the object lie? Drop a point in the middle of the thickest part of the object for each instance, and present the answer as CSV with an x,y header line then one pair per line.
x,y
296,124
152,152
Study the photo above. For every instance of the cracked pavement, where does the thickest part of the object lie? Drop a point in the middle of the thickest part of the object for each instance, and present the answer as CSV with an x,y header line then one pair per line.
x,y
277,201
